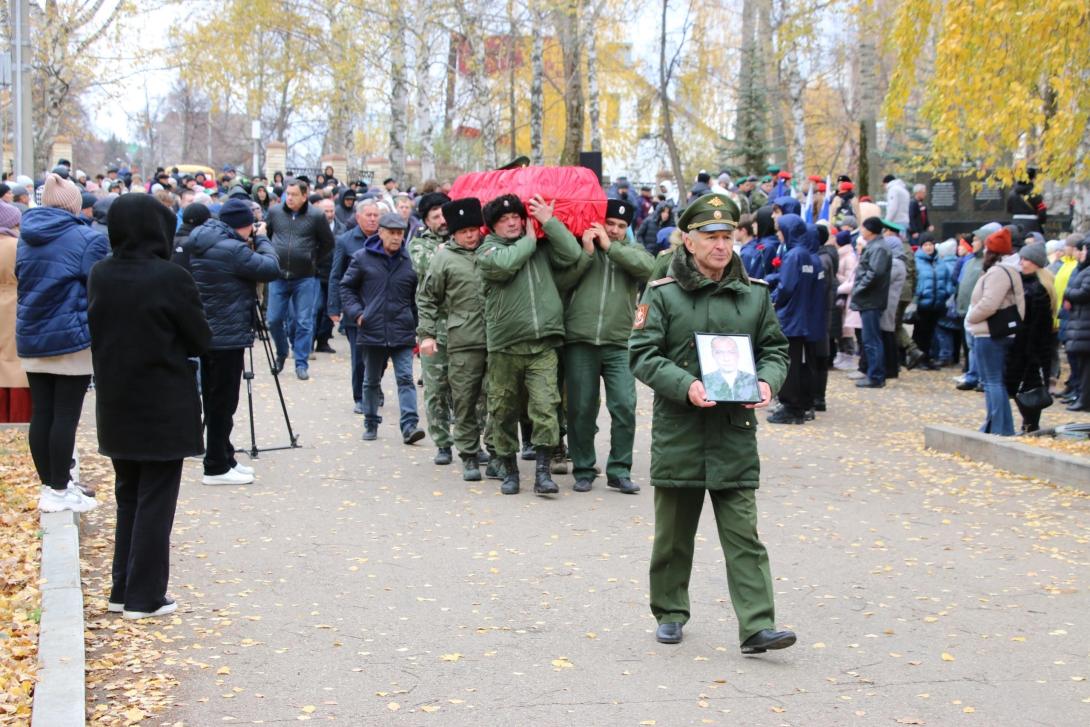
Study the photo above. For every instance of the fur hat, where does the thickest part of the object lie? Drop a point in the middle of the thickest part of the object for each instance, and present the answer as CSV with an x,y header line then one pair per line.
x,y
462,213
618,209
501,206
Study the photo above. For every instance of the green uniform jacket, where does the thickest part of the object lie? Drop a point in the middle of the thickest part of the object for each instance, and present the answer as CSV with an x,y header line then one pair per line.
x,y
521,302
422,249
714,448
603,293
452,287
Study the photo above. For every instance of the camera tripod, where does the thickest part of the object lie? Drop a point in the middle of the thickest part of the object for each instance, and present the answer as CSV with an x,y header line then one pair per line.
x,y
248,374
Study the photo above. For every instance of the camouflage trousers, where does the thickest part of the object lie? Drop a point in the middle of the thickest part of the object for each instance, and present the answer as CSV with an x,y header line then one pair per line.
x,y
437,397
518,380
467,372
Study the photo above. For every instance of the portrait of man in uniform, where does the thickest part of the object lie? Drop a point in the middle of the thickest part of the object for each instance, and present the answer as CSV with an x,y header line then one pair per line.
x,y
727,368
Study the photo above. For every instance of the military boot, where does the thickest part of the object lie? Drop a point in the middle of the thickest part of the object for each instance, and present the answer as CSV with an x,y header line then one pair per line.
x,y
494,468
543,483
510,484
559,463
471,468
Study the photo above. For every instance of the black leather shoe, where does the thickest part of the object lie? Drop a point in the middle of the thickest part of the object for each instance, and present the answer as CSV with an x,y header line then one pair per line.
x,y
767,640
279,365
819,405
1078,405
668,633
782,416
412,436
582,485
966,386
914,358
324,348
623,484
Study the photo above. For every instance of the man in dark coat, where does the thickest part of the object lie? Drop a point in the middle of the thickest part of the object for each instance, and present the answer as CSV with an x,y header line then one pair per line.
x,y
146,321
347,245
379,293
227,257
870,296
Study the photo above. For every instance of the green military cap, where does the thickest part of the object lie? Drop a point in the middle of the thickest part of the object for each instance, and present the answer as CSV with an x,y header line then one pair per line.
x,y
710,213
892,225
766,178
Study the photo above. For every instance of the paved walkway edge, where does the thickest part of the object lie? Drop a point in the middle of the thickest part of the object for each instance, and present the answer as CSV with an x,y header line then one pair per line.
x,y
1009,454
59,697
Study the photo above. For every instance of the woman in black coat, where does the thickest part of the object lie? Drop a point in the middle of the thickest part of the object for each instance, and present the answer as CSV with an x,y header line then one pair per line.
x,y
1077,303
647,233
1030,356
146,321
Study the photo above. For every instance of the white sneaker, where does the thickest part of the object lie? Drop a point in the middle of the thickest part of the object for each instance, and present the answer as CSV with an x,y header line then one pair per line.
x,y
68,499
112,607
243,469
855,375
230,477
168,607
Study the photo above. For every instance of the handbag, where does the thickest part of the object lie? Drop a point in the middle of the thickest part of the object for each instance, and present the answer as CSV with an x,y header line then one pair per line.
x,y
1035,398
1005,321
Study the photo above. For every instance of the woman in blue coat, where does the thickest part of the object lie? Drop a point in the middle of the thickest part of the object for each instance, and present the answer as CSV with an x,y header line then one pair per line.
x,y
57,248
932,289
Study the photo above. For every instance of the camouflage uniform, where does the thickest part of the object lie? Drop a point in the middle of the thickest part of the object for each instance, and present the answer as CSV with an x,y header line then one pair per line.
x,y
437,397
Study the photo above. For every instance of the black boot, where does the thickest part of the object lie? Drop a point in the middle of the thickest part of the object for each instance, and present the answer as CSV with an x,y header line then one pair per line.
x,y
471,469
443,456
494,468
543,483
510,484
559,464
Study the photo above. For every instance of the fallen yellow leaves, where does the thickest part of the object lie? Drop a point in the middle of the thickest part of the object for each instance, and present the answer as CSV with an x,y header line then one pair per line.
x,y
947,657
19,597
450,657
562,663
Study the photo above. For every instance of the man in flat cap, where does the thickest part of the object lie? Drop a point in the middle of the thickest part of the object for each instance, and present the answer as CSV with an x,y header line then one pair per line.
x,y
422,248
450,301
702,448
601,290
378,292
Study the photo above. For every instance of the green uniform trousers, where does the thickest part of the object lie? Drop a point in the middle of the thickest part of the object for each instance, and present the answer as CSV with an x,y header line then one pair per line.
x,y
677,514
467,372
437,397
585,368
516,379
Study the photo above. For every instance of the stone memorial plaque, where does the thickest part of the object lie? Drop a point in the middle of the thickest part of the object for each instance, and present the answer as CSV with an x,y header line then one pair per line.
x,y
944,195
988,198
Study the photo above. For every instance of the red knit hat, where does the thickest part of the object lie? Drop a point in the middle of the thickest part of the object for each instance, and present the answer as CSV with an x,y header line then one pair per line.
x,y
999,242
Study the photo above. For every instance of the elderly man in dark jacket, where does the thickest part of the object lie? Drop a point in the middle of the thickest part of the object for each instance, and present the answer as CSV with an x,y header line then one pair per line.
x,y
227,257
379,294
302,238
146,320
870,296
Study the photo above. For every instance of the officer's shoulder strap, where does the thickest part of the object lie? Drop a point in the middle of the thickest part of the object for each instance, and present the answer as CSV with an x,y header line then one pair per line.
x,y
662,281
758,281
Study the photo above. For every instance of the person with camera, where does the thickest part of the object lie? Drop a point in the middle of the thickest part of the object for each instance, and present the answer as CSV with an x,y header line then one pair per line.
x,y
227,257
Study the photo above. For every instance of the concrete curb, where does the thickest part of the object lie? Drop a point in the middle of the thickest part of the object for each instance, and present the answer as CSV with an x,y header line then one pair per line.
x,y
59,697
1009,454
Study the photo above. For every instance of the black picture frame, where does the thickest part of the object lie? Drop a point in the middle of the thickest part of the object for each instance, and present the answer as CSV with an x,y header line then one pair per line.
x,y
745,389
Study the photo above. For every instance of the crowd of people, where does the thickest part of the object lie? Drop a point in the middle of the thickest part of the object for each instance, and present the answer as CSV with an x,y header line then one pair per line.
x,y
158,288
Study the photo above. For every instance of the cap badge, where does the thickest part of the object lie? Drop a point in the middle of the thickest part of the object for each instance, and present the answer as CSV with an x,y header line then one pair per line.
x,y
621,209
461,212
506,203
715,202
718,215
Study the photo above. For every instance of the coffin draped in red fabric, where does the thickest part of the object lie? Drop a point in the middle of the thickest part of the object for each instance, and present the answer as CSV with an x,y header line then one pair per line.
x,y
579,197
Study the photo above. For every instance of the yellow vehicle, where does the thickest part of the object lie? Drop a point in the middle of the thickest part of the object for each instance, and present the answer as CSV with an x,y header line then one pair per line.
x,y
193,169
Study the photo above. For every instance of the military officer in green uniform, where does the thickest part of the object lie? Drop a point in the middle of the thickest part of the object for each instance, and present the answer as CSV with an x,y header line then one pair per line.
x,y
454,289
524,321
702,448
437,396
601,298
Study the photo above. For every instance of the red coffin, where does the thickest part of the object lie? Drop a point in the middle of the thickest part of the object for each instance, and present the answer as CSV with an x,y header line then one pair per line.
x,y
579,197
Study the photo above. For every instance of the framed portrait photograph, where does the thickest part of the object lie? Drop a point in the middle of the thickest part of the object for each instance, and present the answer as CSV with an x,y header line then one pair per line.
x,y
727,367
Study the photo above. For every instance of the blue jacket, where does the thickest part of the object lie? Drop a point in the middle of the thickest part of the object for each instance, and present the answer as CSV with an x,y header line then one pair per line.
x,y
766,240
934,281
382,289
752,259
789,205
817,309
55,254
794,293
225,270
347,245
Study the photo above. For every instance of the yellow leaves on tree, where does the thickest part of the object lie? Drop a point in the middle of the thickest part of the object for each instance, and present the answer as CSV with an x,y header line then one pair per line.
x,y
1007,80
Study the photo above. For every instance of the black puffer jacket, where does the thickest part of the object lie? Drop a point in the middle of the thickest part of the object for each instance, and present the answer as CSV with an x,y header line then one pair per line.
x,y
1078,320
301,239
648,231
225,269
1031,353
